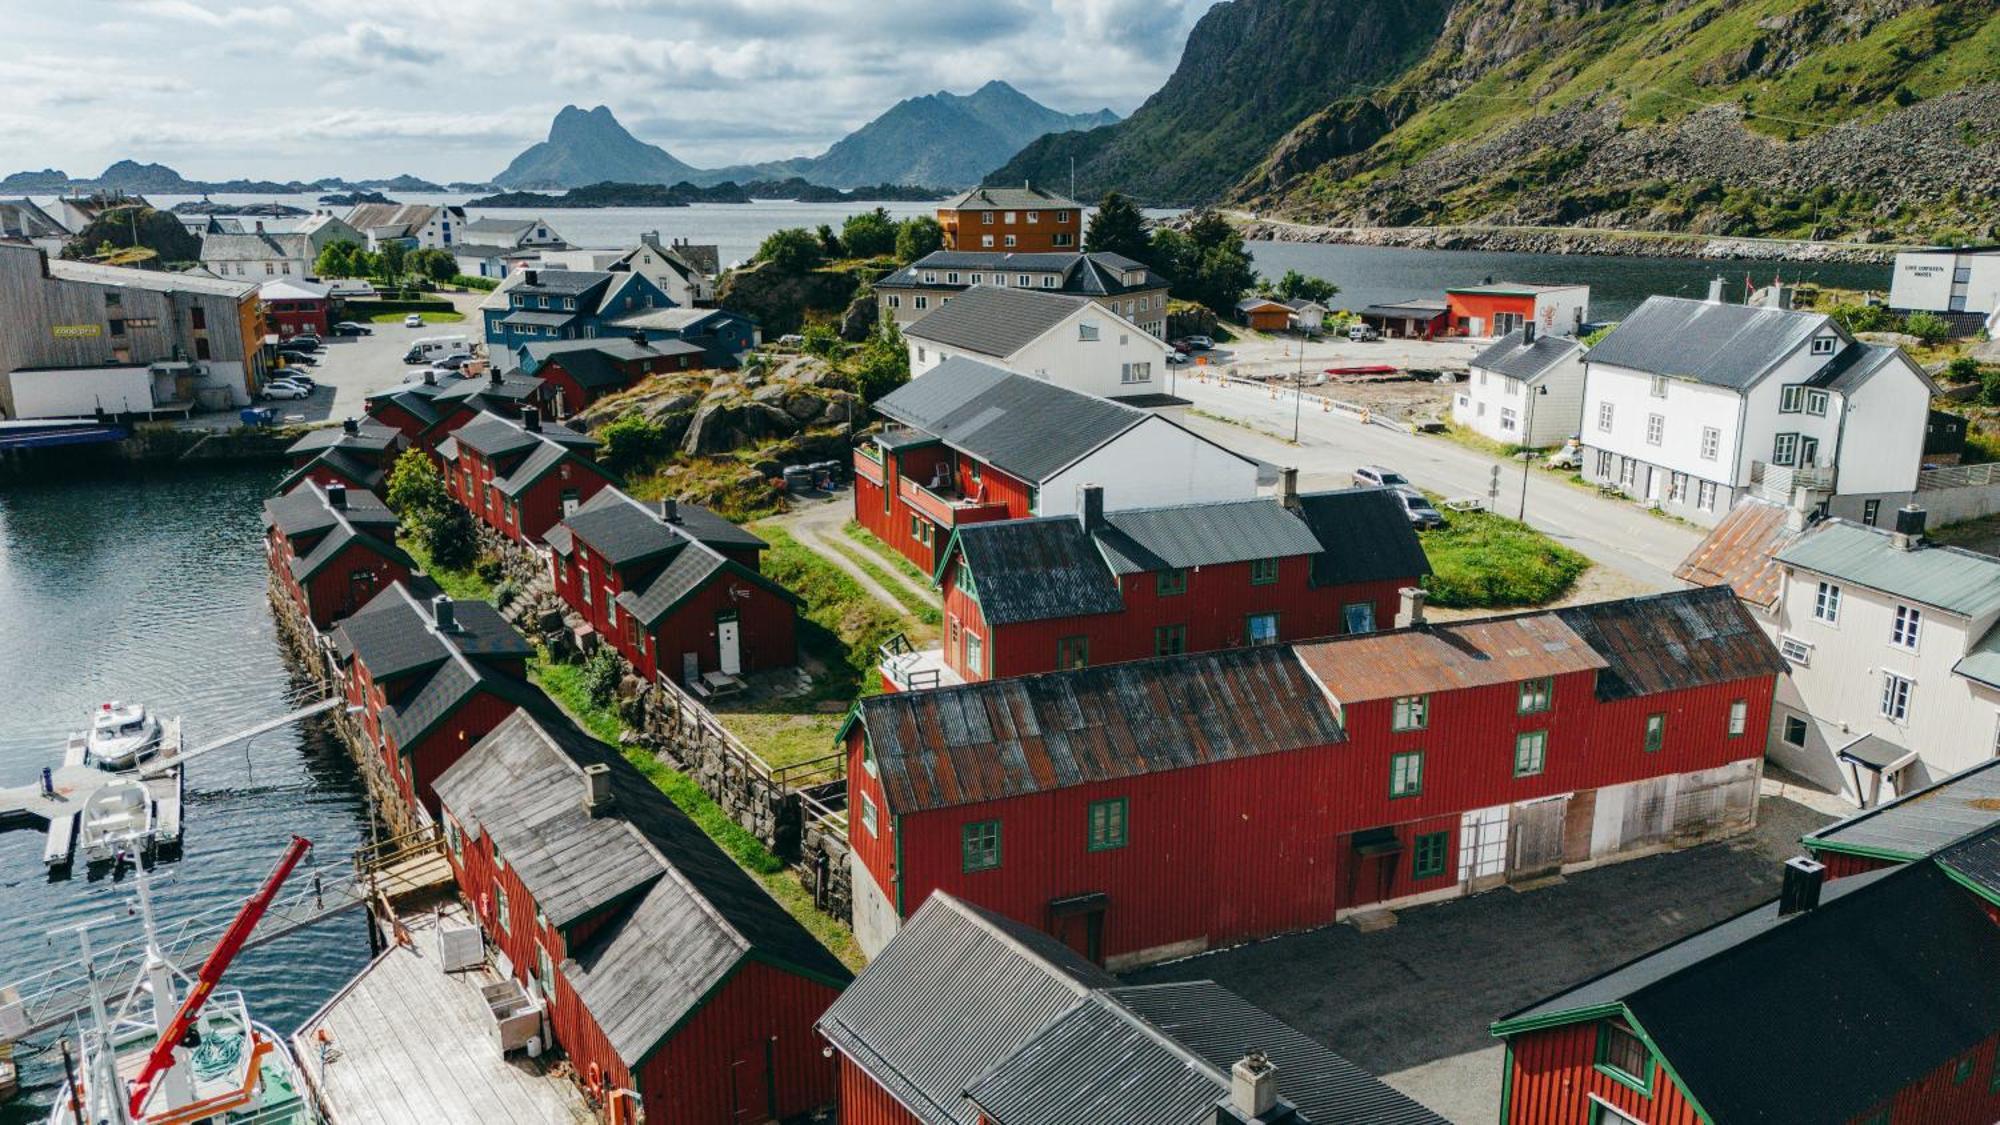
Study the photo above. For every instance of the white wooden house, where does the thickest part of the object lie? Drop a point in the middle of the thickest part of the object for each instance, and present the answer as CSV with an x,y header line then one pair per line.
x,y
1073,342
1525,389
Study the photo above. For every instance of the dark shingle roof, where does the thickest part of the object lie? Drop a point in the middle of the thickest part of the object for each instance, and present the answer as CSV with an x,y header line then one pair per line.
x,y
617,527
994,321
393,633
1210,534
1037,570
1003,738
1918,824
370,436
1673,641
696,916
1024,427
364,470
305,510
667,562
1707,341
1091,275
559,283
1506,356
1366,536
538,318
513,387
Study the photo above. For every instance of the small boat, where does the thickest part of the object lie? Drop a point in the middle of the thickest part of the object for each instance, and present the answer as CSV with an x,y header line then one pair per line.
x,y
117,817
122,735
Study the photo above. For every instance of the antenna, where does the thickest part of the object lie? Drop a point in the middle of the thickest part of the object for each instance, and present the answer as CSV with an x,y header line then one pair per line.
x,y
1072,177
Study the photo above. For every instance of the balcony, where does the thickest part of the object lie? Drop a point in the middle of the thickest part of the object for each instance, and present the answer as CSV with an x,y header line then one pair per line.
x,y
948,508
911,669
867,464
1780,482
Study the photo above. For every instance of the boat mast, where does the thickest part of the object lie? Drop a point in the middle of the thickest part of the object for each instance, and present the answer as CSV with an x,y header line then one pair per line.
x,y
100,1061
159,976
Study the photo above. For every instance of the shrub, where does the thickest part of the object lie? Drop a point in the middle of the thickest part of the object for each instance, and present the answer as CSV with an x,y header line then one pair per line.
x,y
1481,559
489,568
1864,318
869,234
821,340
449,537
631,443
504,593
1989,387
415,487
1926,326
792,250
601,673
483,284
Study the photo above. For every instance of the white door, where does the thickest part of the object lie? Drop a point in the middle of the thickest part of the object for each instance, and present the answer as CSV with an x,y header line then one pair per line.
x,y
729,640
1482,844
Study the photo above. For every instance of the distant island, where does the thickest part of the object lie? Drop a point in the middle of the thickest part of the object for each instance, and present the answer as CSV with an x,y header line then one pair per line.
x,y
353,198
133,177
261,210
614,194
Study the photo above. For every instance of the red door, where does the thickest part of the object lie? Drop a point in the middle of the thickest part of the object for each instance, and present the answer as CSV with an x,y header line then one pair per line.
x,y
751,1073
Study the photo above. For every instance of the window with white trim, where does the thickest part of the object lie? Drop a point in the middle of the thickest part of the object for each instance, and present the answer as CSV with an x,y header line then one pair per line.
x,y
1604,416
1816,403
1790,399
1711,443
1826,603
1909,621
1796,651
1659,388
1656,428
1896,697
1784,449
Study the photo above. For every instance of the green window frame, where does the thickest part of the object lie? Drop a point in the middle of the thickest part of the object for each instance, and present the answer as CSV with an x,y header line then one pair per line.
x,y
1072,652
965,582
1656,731
1537,695
979,845
500,910
1107,824
452,836
1963,1070
1169,640
1619,1048
1168,583
1263,572
1410,712
1430,854
546,970
1406,773
1261,629
1531,752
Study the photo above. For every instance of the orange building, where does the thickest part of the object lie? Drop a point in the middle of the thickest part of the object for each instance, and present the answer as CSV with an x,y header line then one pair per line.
x,y
1025,219
1495,309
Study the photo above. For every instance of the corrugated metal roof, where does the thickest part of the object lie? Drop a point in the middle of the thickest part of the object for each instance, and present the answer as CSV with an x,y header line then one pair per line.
x,y
1982,662
1506,356
1672,641
1037,570
1189,535
1447,656
1977,858
1099,1065
369,436
1950,578
1002,738
1741,552
1365,536
1855,364
1707,341
1025,427
1923,822
993,320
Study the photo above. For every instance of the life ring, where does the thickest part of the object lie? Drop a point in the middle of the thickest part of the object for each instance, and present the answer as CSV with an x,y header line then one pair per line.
x,y
596,1080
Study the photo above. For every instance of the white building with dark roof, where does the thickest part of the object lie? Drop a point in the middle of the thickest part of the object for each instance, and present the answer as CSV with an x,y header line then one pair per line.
x,y
1121,285
1524,389
1073,342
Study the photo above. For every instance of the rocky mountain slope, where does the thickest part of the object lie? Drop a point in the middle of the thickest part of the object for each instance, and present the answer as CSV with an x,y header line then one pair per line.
x,y
589,148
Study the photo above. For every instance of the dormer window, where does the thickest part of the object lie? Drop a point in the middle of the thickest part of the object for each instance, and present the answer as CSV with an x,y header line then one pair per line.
x,y
1823,345
978,279
1048,281
930,278
951,279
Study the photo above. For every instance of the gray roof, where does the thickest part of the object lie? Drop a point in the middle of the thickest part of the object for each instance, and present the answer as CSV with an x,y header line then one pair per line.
x,y
369,436
1407,310
1857,362
495,225
1365,535
1099,1065
1672,641
1707,341
1506,356
1025,427
254,247
1981,663
495,436
1920,823
513,387
1028,197
1950,578
23,218
673,318
1091,275
562,283
1037,570
364,471
418,403
994,320
161,281
394,635
305,510
662,563
538,318
1209,534
683,914
957,990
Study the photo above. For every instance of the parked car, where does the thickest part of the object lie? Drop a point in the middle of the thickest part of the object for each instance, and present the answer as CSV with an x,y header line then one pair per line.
x,y
414,320
308,340
282,388
1422,515
1176,358
352,328
1363,333
1201,343
290,376
454,361
298,359
1379,477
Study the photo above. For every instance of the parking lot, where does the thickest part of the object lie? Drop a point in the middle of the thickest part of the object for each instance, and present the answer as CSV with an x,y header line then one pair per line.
x,y
1412,1003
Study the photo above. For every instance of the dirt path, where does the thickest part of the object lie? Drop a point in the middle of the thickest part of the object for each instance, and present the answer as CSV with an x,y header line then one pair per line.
x,y
817,525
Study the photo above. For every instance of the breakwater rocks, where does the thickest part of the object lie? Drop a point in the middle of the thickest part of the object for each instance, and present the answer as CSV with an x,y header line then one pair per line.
x,y
1570,240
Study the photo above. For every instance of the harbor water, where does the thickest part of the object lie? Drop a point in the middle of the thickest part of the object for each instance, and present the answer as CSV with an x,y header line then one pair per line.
x,y
153,589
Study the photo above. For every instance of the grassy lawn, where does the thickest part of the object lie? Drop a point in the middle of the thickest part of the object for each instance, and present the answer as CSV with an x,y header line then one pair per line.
x,y
1483,560
783,738
842,626
871,562
429,317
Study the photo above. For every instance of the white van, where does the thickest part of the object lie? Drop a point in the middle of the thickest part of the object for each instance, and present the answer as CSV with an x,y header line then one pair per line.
x,y
429,349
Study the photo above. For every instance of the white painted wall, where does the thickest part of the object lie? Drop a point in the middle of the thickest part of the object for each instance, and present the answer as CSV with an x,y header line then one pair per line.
x,y
1153,463
1560,312
1124,359
1882,448
1487,398
1686,409
1946,281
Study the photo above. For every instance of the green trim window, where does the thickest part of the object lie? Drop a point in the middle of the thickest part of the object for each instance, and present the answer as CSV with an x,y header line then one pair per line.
x,y
1963,1070
500,910
965,582
1169,583
868,818
1428,857
1623,1056
1260,629
1169,640
546,972
1531,752
1263,572
452,838
1656,731
979,844
1107,824
1410,712
1072,652
1537,695
1406,773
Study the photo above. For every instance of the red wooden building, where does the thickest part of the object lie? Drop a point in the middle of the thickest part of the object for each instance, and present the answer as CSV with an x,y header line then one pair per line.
x,y
1912,826
1039,595
295,306
968,1016
332,549
430,410
679,989
1873,1001
429,681
519,477
1158,808
673,587
579,372
357,453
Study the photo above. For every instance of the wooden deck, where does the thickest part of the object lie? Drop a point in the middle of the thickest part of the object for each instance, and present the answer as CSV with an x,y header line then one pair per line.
x,y
405,1042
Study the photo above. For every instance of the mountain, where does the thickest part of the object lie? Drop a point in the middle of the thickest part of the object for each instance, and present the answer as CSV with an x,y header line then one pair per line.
x,y
590,148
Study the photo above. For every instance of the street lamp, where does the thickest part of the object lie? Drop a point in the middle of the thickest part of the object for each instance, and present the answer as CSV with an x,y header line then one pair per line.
x,y
1528,450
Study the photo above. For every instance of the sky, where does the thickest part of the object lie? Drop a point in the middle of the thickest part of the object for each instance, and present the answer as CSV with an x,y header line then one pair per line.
x,y
453,89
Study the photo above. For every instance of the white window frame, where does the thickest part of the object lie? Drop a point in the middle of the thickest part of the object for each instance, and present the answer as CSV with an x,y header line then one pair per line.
x,y
1711,443
1785,731
1605,416
1656,429
1704,495
1897,689
1659,387
1908,626
1739,717
1826,603
1817,402
1791,399
1795,650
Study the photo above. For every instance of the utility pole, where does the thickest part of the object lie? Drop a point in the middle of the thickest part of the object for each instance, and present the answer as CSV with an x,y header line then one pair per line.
x,y
1528,450
1299,390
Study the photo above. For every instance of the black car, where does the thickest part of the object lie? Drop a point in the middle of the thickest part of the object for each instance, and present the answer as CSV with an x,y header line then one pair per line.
x,y
352,328
308,340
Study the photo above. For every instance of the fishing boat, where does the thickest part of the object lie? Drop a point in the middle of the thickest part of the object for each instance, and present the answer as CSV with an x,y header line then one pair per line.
x,y
173,1050
122,735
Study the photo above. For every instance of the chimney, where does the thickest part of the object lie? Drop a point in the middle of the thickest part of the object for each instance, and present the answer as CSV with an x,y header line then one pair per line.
x,y
351,426
529,276
1800,892
531,419
1909,533
1780,296
1527,333
1253,1086
443,615
493,375
639,337
597,795
1289,491
1410,614
430,378
336,495
670,510
1805,504
1090,505
1715,290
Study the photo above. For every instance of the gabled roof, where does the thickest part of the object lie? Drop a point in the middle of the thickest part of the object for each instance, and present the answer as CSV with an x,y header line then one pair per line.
x,y
364,471
1673,641
395,633
23,218
1365,536
1708,341
562,283
1741,552
495,225
1091,275
1249,304
393,219
1447,656
1953,579
683,914
1036,570
495,436
604,362
1214,533
253,247
1002,738
1027,197
512,387
369,436
665,562
293,289
1507,356
1408,310
672,318
994,320
305,514
416,402
1025,427
1857,362
1922,823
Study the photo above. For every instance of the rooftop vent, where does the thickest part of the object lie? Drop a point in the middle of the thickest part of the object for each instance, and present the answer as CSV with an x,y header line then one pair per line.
x,y
531,419
597,795
444,614
1800,892
1253,1086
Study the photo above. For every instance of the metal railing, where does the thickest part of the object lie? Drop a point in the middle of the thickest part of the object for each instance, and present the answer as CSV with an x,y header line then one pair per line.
x,y
1959,476
1780,482
807,779
897,658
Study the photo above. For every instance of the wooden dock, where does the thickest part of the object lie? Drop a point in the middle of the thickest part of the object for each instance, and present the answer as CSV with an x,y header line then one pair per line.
x,y
72,784
405,1041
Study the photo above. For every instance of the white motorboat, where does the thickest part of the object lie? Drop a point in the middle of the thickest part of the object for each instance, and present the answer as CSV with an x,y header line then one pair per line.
x,y
122,735
117,817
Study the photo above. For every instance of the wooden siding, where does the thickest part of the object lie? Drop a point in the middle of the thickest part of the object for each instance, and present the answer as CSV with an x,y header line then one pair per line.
x,y
1942,1097
417,767
341,587
1840,864
526,517
862,1102
1555,1075
767,636
903,472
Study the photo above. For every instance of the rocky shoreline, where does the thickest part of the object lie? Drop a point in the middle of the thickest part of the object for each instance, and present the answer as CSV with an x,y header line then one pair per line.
x,y
1573,240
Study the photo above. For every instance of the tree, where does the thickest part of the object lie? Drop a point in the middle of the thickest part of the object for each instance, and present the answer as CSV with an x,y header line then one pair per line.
x,y
829,243
1208,262
631,442
883,363
392,261
1295,286
438,265
869,234
918,236
791,250
415,487
450,537
1926,326
136,228
338,258
1118,228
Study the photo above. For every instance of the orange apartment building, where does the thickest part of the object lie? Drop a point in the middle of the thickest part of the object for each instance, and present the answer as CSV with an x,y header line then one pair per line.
x,y
1025,219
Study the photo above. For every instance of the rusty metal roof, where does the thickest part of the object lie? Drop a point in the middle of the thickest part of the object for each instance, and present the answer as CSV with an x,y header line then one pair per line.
x,y
1672,641
1004,738
1741,552
1448,656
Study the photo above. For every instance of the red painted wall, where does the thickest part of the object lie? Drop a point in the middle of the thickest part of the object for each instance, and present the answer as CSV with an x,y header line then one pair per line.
x,y
417,767
390,413
1554,1074
335,591
293,318
526,517
862,1102
768,623
1461,306
892,525
1840,864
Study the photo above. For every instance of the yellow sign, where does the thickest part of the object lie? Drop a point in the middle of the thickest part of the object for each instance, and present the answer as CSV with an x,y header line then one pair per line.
x,y
77,331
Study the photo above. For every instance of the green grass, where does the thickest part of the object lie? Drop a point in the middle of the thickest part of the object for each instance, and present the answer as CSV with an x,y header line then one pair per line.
x,y
783,738
913,603
842,625
429,317
1483,560
888,554
464,585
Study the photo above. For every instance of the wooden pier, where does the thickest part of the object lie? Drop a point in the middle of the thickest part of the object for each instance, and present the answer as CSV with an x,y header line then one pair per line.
x,y
59,808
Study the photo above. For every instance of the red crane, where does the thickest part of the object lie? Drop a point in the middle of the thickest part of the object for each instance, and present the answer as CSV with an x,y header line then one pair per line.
x,y
212,969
